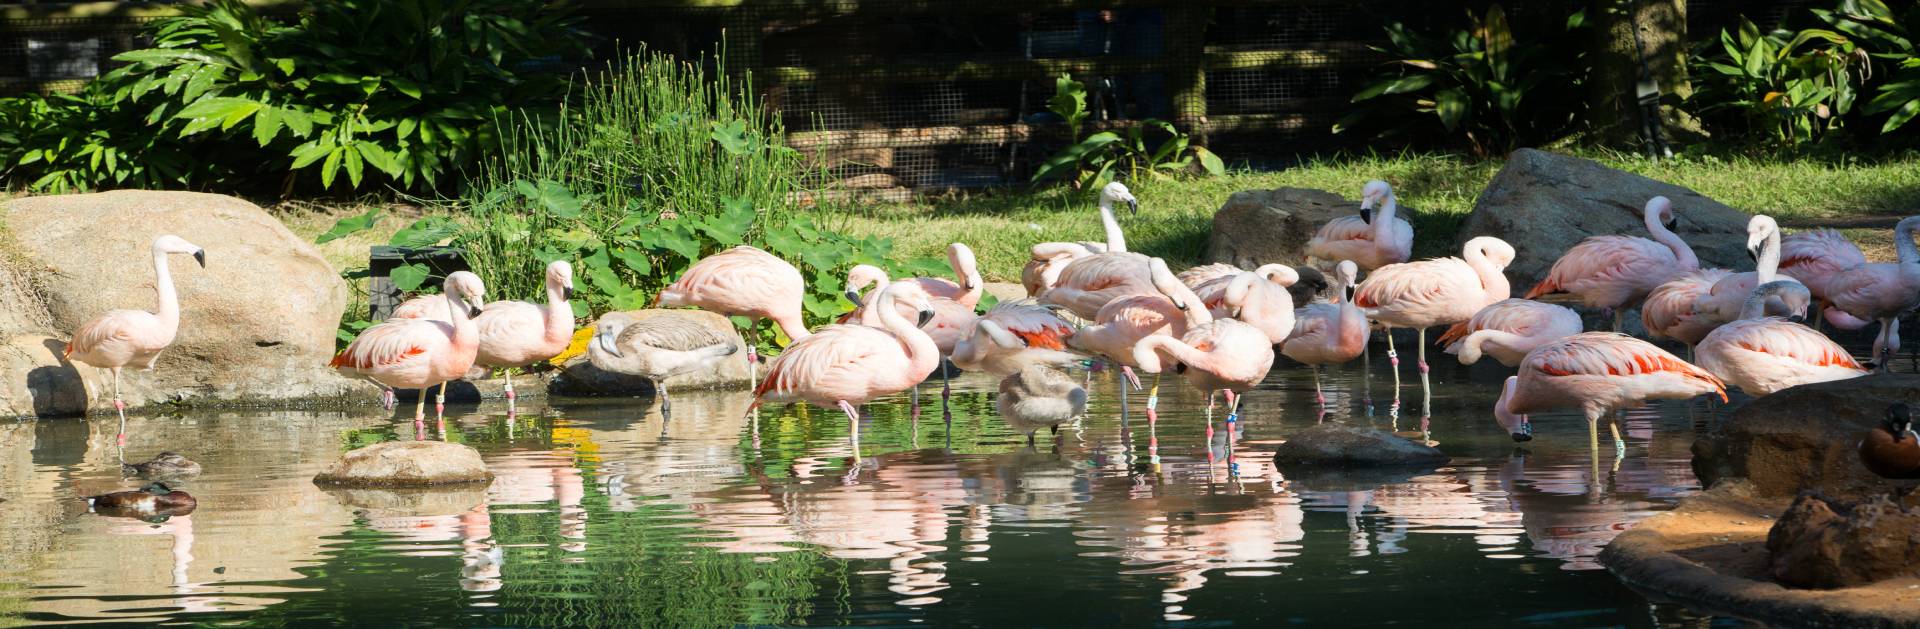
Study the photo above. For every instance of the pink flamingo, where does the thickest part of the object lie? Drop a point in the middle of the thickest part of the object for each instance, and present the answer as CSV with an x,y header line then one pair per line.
x,y
1761,355
1259,297
1214,354
1882,291
1048,259
1123,322
1814,257
419,353
1508,329
1441,291
845,366
747,282
431,308
118,338
1369,241
1330,333
1723,301
1013,335
514,334
1089,282
1603,372
1669,311
967,291
1614,273
952,317
1517,426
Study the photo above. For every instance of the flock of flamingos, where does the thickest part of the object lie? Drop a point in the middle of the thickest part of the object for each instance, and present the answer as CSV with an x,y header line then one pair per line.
x,y
1217,325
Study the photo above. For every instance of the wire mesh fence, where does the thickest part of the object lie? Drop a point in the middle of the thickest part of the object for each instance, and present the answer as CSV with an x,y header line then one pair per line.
x,y
905,95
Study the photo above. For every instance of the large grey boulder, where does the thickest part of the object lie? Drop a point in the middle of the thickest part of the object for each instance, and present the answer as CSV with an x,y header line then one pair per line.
x,y
1544,203
257,324
407,464
1334,445
1258,227
1806,437
578,376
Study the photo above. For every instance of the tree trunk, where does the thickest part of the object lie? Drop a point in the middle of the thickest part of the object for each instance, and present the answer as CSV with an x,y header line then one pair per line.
x,y
1619,59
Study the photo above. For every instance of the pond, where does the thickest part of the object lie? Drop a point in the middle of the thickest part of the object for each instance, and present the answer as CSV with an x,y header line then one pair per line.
x,y
604,513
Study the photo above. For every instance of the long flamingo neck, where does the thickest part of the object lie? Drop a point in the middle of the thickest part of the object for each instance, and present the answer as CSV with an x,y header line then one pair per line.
x,y
1681,250
1147,354
1768,266
1383,224
465,334
169,307
1116,240
1492,280
559,315
922,353
1476,344
1903,242
791,325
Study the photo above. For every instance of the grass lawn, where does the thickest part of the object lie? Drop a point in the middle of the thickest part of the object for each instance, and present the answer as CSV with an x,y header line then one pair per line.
x,y
1177,216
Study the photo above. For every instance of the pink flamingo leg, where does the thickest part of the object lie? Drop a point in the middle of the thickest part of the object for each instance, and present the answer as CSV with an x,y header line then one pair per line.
x,y
853,422
121,408
509,378
1318,396
1131,379
387,400
440,401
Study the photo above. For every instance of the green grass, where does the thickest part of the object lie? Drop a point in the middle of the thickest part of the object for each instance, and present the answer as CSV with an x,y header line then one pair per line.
x,y
1176,216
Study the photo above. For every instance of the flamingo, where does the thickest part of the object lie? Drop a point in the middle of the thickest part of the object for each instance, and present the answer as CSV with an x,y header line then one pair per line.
x,y
952,317
1814,257
1123,322
1013,335
845,366
1508,329
1037,396
1603,372
1048,259
1259,297
1307,282
743,281
1761,355
1517,426
1669,311
1369,241
1089,282
431,308
657,348
419,353
1441,291
1723,301
1214,354
1882,291
1614,273
967,291
118,338
514,334
1329,333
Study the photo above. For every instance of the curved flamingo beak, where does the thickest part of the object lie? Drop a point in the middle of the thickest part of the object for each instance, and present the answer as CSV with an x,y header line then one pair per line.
x,y
1366,215
1672,223
604,341
201,257
925,316
566,292
1133,206
852,296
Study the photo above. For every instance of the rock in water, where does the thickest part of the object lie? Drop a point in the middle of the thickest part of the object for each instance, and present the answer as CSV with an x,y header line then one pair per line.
x,y
1825,543
1545,203
256,325
1331,445
407,464
579,377
1258,227
1806,437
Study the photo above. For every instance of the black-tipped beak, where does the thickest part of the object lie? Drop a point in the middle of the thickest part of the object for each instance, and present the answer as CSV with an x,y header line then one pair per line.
x,y
1349,292
1796,319
925,316
1181,305
472,311
1180,368
201,257
1672,224
1753,254
1133,205
566,292
1366,215
852,297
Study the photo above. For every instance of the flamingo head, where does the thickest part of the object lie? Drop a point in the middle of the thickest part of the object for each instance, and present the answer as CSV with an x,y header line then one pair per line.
x,y
1759,230
1518,426
174,244
606,332
560,274
1494,249
1375,193
1661,210
1900,420
1347,273
1786,296
910,294
463,287
961,257
1117,192
862,276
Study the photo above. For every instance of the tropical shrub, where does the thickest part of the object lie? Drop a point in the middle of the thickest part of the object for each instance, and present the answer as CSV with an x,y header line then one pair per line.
x,y
1484,83
1795,86
68,142
650,165
393,92
1092,161
1888,38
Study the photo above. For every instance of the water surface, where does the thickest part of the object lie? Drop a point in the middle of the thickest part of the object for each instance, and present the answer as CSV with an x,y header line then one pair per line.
x,y
605,513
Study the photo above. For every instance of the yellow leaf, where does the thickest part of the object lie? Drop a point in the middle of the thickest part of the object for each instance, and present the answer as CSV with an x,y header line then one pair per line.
x,y
575,347
1770,97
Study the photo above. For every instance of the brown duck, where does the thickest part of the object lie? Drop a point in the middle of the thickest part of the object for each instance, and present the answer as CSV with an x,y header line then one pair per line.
x,y
163,465
1892,449
156,500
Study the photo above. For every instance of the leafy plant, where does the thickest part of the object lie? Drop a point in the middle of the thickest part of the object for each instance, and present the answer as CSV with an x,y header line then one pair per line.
x,y
1888,39
361,91
1482,83
1127,153
1797,86
67,142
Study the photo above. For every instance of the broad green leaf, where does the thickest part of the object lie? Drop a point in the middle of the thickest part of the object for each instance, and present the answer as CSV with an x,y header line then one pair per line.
x,y
558,199
349,226
635,260
410,277
733,137
1451,105
330,166
356,167
1499,40
425,232
1210,162
266,125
